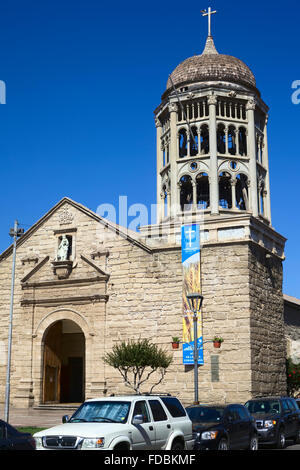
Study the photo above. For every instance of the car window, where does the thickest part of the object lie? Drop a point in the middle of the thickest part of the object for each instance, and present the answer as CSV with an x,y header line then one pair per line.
x,y
232,413
242,413
157,411
292,404
141,408
203,414
285,405
174,406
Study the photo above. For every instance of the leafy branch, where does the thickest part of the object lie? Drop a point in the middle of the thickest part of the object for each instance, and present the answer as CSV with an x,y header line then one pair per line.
x,y
136,361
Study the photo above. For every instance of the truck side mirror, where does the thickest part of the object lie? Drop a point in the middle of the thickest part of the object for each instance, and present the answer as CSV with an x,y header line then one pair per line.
x,y
138,419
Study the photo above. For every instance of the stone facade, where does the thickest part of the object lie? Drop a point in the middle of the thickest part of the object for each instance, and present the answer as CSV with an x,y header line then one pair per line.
x,y
121,288
114,284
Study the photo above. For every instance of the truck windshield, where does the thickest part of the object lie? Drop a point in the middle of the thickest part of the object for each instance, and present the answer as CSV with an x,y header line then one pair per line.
x,y
102,411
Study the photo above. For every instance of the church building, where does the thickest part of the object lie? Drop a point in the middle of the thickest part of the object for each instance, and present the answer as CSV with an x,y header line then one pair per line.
x,y
84,284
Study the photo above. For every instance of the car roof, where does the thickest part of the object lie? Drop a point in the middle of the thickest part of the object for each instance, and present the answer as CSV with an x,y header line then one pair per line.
x,y
269,398
126,397
204,405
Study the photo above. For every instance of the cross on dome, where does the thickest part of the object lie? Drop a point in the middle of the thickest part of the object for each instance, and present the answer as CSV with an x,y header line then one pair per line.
x,y
208,13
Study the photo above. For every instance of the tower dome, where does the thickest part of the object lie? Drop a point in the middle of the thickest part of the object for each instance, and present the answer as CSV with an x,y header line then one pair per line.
x,y
211,66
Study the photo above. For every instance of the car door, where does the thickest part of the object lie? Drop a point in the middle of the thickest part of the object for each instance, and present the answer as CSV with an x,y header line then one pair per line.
x,y
288,418
163,428
4,443
244,425
231,421
142,435
294,416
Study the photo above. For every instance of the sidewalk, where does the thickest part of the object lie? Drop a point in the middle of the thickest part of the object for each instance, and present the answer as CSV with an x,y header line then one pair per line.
x,y
35,417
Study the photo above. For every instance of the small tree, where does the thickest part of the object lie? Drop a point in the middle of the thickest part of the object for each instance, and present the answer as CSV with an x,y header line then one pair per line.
x,y
137,361
293,378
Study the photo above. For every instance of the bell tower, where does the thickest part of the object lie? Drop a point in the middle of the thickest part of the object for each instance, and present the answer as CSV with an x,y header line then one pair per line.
x,y
213,171
212,150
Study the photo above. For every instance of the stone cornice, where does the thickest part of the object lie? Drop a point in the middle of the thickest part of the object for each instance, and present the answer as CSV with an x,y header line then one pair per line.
x,y
64,282
66,300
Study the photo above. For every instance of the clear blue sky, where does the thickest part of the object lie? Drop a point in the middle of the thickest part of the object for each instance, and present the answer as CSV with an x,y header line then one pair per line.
x,y
84,76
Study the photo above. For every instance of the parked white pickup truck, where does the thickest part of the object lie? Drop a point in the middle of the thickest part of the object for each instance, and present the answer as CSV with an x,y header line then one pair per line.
x,y
137,422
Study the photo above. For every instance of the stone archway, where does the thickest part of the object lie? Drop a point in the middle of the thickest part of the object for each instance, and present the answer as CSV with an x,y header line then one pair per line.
x,y
63,363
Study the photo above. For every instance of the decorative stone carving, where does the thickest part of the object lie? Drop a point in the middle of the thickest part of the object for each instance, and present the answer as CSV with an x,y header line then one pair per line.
x,y
173,108
65,216
62,269
212,99
251,105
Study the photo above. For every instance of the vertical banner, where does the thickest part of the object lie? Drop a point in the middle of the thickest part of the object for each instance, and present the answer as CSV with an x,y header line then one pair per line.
x,y
190,250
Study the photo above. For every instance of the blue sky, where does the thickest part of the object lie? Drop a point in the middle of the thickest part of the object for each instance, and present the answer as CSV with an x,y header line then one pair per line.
x,y
83,79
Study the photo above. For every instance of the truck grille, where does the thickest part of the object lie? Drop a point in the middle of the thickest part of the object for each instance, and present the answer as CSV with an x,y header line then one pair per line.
x,y
60,442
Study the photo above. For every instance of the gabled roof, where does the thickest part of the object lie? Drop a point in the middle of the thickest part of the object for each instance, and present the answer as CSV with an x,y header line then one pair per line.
x,y
127,234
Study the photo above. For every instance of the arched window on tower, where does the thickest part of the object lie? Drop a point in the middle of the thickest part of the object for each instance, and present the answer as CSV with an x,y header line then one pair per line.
x,y
241,192
257,147
182,143
242,141
225,193
232,140
194,142
202,183
204,137
186,193
165,201
261,193
221,138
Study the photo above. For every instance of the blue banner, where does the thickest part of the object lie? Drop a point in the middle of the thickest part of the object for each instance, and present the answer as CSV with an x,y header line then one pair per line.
x,y
190,250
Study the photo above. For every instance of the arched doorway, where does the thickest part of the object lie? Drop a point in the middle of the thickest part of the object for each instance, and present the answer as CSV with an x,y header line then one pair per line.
x,y
64,363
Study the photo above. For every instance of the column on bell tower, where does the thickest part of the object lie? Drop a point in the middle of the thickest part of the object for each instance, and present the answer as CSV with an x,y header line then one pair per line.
x,y
159,164
213,179
173,110
265,163
250,107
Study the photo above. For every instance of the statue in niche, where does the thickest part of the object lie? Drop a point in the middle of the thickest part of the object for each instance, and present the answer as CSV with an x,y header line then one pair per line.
x,y
63,249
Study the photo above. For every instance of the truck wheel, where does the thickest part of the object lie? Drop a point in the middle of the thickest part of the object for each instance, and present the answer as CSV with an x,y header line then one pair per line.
x,y
253,443
223,444
297,437
121,446
177,445
281,439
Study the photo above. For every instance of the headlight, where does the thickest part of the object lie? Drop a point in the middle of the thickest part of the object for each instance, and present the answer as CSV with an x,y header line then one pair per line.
x,y
270,423
96,443
209,435
38,443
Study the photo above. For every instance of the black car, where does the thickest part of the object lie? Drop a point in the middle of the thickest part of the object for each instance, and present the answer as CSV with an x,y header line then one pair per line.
x,y
12,439
277,419
223,427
